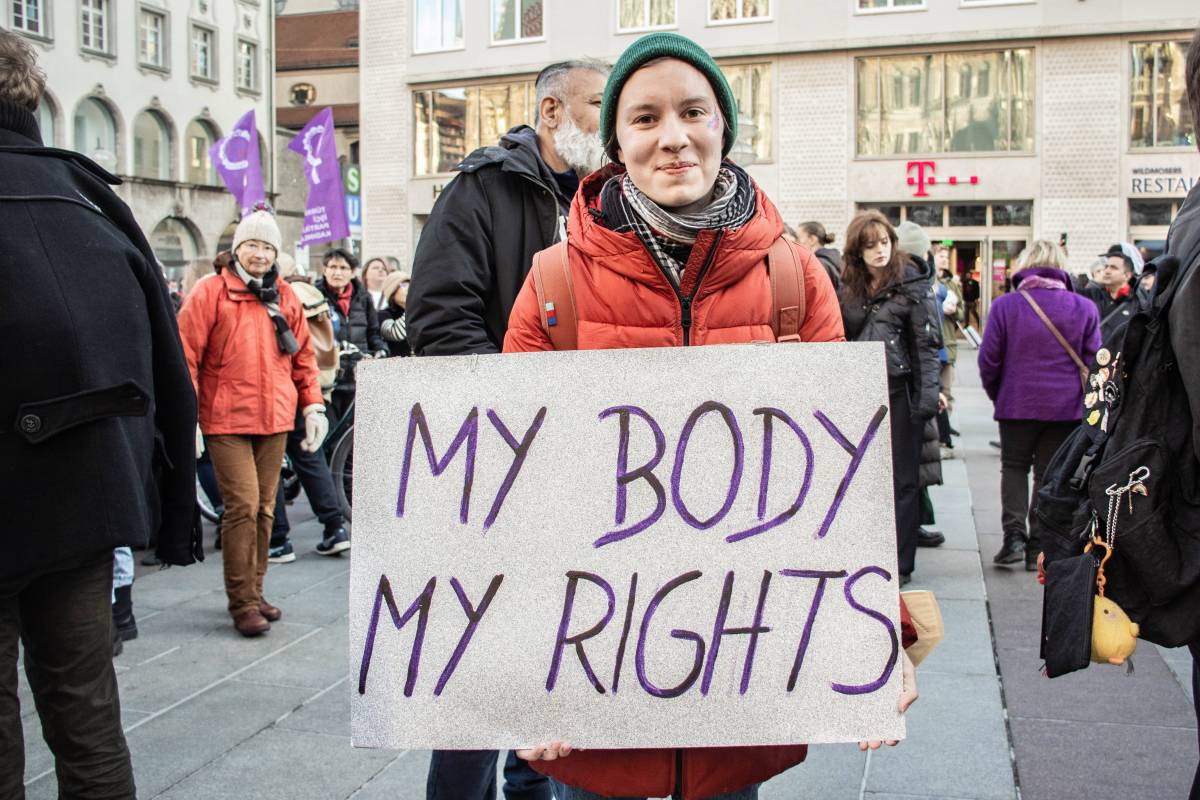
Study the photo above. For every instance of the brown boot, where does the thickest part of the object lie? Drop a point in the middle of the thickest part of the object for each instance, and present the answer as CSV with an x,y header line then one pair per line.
x,y
269,611
251,623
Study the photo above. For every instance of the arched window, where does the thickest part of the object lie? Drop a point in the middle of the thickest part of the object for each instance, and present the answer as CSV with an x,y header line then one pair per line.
x,y
96,132
175,245
200,137
151,146
964,80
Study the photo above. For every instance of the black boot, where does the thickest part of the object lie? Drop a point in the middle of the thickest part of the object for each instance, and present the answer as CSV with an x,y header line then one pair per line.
x,y
122,610
1013,550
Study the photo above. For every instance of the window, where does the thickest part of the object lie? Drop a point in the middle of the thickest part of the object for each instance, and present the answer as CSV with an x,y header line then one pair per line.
x,y
1153,212
152,43
204,61
28,17
94,25
738,10
175,247
514,20
927,215
439,25
890,5
751,85
644,15
945,103
151,147
1015,214
451,122
1159,114
302,94
247,65
968,215
96,132
200,137
1018,214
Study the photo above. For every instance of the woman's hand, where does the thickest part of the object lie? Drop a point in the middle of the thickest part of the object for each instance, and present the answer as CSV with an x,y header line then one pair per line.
x,y
908,696
546,752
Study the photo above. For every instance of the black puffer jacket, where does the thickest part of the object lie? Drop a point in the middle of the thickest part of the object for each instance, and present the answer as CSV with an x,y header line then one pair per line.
x,y
904,317
478,244
361,326
832,261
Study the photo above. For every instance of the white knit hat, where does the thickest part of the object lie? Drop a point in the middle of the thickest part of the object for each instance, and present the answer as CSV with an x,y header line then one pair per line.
x,y
258,224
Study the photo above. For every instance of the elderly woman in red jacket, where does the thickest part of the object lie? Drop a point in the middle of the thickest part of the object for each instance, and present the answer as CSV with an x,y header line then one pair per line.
x,y
667,247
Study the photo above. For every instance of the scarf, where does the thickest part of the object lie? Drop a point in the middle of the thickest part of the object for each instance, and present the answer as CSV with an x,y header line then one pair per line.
x,y
343,299
669,236
1041,282
264,289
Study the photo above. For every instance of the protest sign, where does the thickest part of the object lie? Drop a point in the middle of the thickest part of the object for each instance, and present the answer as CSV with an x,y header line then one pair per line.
x,y
625,548
237,161
325,209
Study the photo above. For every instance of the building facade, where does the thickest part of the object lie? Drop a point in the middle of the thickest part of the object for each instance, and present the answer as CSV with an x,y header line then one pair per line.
x,y
144,87
989,122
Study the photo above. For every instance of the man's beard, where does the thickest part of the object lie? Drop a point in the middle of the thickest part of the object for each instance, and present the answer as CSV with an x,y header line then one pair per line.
x,y
583,152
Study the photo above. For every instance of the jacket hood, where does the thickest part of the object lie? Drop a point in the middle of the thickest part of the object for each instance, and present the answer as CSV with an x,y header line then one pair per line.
x,y
624,252
517,152
1053,273
915,280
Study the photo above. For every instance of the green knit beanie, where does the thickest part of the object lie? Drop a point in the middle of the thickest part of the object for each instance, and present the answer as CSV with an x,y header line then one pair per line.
x,y
665,45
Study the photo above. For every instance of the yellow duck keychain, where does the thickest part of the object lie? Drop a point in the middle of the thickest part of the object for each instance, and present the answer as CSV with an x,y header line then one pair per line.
x,y
1114,635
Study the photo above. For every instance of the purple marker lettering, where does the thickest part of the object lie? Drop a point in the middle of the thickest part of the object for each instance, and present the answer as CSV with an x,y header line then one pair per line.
x,y
625,476
768,414
874,685
474,615
620,660
468,432
563,639
822,577
420,606
856,457
520,451
720,631
640,657
735,479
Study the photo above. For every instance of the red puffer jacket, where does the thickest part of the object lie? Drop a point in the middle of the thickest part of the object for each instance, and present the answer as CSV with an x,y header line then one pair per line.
x,y
245,385
623,299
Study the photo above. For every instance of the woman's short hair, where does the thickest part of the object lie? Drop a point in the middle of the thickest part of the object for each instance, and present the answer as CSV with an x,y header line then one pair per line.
x,y
22,81
865,229
343,254
818,232
1042,253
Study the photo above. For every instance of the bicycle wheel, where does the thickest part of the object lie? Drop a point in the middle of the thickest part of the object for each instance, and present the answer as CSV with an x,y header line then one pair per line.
x,y
341,465
206,507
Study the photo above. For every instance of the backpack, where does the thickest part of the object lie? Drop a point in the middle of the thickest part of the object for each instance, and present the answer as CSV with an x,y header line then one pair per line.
x,y
320,331
556,293
1129,475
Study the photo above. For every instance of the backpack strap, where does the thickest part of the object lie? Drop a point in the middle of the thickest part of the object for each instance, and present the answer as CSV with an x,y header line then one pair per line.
x,y
787,291
1050,326
556,296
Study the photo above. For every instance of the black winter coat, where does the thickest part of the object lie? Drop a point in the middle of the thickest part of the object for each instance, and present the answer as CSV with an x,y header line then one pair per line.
x,y
397,342
97,410
1114,314
832,261
478,244
361,326
904,317
1183,319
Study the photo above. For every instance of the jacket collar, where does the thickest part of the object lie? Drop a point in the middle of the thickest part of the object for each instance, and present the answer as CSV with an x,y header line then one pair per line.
x,y
20,121
518,153
1052,273
236,286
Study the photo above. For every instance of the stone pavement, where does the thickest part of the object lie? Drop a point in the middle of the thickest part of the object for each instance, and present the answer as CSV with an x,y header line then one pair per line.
x,y
211,715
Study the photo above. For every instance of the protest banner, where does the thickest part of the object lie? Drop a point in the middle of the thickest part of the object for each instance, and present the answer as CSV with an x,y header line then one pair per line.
x,y
325,209
236,158
625,548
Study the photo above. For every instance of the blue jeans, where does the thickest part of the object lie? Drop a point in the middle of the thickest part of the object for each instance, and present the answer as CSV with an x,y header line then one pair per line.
x,y
564,792
471,775
314,475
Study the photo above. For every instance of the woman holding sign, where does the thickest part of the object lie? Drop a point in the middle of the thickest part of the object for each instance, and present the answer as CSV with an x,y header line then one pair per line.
x,y
668,246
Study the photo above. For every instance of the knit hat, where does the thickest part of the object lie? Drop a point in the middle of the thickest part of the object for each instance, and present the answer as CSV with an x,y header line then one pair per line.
x,y
912,239
665,45
258,224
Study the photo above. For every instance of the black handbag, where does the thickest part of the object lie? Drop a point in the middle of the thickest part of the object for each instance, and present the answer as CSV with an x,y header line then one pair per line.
x,y
1067,604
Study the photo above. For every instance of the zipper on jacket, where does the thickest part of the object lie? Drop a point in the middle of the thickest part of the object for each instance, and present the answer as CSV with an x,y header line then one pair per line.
x,y
685,303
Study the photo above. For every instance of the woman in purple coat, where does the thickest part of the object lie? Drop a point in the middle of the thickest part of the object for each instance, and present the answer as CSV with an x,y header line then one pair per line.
x,y
1034,383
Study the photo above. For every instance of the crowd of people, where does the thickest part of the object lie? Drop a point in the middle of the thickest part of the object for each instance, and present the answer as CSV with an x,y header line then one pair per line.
x,y
667,243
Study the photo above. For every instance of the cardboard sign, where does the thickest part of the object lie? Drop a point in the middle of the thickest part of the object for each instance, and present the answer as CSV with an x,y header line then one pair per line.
x,y
625,548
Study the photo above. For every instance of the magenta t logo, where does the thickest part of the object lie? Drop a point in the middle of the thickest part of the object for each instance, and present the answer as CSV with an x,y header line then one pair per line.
x,y
924,176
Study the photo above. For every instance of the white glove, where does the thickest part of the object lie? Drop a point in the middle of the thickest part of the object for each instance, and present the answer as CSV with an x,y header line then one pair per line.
x,y
315,428
199,442
950,304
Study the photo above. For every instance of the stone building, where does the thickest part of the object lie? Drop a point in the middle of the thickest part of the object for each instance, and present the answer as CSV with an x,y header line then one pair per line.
x,y
990,122
145,88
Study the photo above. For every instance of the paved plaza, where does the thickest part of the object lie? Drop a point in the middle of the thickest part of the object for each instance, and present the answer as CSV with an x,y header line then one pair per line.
x,y
209,714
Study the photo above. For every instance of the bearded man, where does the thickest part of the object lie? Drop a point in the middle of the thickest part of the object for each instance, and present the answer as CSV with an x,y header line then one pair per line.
x,y
506,203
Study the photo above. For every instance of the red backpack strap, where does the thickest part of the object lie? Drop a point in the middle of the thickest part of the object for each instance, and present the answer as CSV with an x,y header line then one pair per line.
x,y
787,291
556,296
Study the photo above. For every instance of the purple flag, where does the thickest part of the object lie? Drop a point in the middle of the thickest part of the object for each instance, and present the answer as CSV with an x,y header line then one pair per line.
x,y
325,211
237,160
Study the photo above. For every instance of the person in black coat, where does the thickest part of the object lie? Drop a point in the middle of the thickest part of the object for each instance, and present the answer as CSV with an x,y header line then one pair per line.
x,y
885,297
1113,290
97,437
354,321
505,204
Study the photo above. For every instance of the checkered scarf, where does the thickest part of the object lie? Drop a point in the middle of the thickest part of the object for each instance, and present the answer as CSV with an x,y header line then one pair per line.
x,y
667,236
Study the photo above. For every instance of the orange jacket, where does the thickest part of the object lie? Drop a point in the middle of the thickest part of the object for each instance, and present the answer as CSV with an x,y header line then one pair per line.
x,y
623,299
245,385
